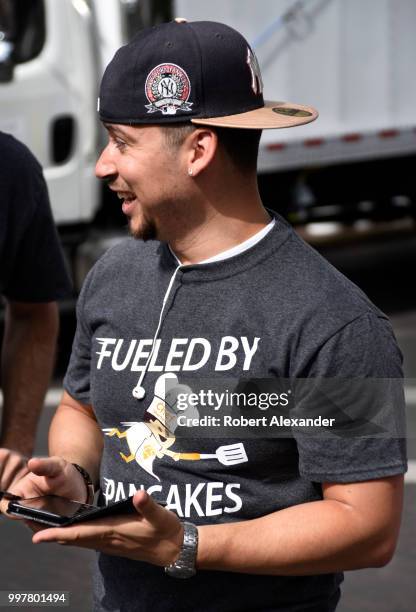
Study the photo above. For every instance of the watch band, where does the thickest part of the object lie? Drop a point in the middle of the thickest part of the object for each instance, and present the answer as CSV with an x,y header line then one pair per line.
x,y
184,566
88,483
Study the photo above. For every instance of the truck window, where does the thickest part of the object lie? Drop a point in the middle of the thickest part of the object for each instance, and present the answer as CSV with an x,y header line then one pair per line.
x,y
22,23
140,14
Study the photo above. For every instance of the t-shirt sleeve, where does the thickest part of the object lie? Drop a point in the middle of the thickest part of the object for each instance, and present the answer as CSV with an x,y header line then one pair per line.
x,y
35,269
356,378
77,377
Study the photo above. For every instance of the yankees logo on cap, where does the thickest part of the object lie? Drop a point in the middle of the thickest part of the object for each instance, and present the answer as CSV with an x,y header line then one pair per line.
x,y
167,89
201,72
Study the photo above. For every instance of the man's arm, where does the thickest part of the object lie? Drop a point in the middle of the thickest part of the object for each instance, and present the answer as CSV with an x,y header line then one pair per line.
x,y
27,361
75,436
355,526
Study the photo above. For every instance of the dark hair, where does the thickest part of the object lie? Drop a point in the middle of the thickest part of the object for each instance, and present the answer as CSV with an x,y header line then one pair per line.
x,y
241,145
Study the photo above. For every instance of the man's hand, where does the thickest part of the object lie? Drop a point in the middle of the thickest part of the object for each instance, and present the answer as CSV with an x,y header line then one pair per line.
x,y
154,535
52,475
13,466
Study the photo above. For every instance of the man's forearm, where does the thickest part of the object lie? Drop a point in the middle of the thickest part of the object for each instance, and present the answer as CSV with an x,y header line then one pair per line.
x,y
317,537
27,362
74,435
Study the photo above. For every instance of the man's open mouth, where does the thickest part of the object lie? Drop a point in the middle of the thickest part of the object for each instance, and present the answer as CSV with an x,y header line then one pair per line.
x,y
126,196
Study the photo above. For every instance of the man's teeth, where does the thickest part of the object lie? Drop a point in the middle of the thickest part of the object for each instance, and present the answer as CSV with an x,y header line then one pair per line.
x,y
126,198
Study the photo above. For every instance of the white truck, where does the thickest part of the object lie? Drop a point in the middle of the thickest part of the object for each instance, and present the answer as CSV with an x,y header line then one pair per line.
x,y
352,59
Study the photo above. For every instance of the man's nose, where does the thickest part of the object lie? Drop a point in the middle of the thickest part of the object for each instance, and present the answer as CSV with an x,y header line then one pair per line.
x,y
105,167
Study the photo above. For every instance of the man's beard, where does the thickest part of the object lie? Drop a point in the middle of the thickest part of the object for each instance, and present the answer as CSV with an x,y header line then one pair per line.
x,y
170,218
146,231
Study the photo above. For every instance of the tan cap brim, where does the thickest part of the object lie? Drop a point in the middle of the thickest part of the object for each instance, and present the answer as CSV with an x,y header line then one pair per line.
x,y
270,116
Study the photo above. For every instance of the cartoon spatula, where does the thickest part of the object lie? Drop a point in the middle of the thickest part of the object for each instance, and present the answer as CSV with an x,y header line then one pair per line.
x,y
227,455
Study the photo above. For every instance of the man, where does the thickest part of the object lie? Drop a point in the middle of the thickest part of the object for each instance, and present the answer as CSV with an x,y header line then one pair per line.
x,y
32,278
227,290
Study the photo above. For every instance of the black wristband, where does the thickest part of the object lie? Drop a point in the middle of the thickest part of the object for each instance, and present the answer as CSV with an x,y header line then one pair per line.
x,y
88,483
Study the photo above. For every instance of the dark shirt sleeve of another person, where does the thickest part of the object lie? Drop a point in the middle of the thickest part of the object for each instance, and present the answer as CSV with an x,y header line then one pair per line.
x,y
32,266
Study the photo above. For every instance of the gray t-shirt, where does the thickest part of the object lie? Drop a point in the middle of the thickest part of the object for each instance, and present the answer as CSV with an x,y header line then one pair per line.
x,y
276,310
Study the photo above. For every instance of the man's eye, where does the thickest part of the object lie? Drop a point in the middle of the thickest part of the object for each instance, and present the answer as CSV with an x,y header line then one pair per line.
x,y
120,144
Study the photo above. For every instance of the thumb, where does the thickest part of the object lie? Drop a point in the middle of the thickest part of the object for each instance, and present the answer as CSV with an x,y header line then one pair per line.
x,y
148,508
47,466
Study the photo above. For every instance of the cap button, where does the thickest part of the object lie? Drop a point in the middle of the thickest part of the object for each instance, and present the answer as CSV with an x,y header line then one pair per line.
x,y
180,20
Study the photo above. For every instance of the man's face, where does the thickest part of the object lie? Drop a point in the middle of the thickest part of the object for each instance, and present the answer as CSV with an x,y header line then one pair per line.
x,y
146,175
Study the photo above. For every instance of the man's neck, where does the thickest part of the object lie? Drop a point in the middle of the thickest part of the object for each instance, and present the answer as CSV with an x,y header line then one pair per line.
x,y
219,232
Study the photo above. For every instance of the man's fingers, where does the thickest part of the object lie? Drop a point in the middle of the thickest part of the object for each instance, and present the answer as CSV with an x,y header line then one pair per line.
x,y
13,466
3,455
36,482
48,535
19,475
13,471
4,503
12,477
78,535
148,508
48,466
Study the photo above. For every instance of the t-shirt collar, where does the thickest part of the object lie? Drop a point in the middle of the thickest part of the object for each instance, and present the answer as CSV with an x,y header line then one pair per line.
x,y
237,249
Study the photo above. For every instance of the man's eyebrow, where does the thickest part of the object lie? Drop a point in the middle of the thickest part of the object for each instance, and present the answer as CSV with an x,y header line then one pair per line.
x,y
114,130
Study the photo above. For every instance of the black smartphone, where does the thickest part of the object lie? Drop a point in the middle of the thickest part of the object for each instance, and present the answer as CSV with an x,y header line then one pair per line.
x,y
58,511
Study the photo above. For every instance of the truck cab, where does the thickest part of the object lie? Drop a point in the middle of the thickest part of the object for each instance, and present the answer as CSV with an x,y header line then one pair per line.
x,y
52,56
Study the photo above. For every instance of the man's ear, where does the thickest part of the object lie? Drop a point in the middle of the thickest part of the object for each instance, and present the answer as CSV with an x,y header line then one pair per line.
x,y
202,146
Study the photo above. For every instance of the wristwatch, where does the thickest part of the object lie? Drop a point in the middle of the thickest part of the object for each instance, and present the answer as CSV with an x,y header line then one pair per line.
x,y
88,483
184,566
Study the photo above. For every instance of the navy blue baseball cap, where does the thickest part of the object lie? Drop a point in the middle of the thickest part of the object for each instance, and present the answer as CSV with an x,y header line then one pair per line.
x,y
201,72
